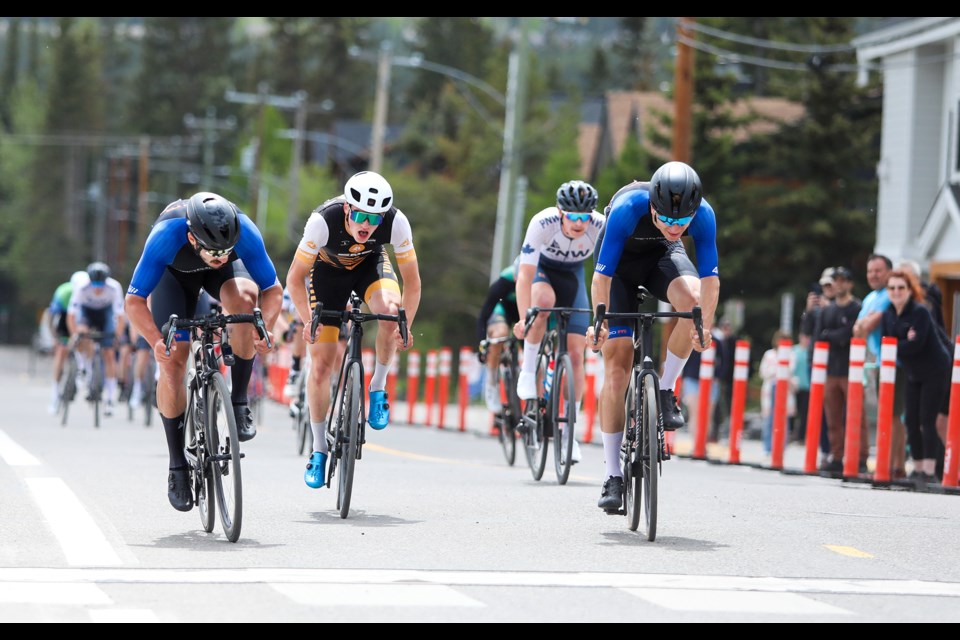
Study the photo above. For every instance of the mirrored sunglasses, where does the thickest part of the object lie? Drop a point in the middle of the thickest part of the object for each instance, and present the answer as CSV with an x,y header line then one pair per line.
x,y
362,216
577,217
216,253
674,221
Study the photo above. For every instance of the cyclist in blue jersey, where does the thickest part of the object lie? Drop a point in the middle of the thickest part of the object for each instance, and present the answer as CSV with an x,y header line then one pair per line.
x,y
641,245
204,242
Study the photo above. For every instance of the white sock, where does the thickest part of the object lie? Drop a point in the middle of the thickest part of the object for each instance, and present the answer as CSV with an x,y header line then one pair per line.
x,y
530,350
611,453
319,436
671,370
56,391
378,382
137,390
110,386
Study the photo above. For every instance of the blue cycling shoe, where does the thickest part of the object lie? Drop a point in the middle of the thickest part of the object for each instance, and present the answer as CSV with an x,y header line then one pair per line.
x,y
313,476
379,409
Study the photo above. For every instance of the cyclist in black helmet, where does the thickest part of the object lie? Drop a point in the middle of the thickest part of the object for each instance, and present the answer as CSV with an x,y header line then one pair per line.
x,y
641,245
203,242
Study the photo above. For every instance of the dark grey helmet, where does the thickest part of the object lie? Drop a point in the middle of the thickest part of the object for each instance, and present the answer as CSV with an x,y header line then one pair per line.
x,y
675,190
577,196
98,271
213,220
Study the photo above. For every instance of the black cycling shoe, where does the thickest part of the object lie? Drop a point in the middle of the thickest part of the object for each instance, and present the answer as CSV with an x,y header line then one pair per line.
x,y
672,416
246,430
178,489
611,498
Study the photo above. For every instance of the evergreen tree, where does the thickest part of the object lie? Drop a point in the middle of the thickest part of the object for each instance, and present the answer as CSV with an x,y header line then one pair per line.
x,y
8,77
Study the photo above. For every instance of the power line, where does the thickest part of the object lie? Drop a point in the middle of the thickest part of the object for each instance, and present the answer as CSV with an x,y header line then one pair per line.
x,y
771,44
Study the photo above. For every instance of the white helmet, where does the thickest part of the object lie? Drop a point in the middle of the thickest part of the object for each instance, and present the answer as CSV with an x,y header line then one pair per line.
x,y
79,279
369,192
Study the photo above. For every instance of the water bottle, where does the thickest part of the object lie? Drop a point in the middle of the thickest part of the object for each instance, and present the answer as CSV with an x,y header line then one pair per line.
x,y
548,381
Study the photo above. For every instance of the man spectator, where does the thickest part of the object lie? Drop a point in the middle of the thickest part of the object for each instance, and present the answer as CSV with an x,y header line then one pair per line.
x,y
837,330
868,327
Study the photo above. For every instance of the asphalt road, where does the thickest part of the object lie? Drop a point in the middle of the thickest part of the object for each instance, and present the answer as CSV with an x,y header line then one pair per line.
x,y
443,530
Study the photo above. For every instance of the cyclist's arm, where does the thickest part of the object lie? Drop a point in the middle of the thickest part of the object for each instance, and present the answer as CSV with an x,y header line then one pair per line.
x,y
525,275
271,299
142,319
410,299
709,295
297,288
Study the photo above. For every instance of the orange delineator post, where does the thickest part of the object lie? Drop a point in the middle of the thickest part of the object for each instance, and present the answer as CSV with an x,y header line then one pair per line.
x,y
818,378
413,377
851,440
589,394
703,404
463,384
951,459
781,393
446,359
738,402
430,387
888,373
369,362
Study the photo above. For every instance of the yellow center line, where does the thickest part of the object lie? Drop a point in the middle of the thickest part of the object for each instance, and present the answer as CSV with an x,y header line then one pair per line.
x,y
847,551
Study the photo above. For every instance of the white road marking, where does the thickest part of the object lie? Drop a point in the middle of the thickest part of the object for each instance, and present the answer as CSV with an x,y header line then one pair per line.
x,y
15,455
68,593
81,540
375,595
719,601
849,586
123,616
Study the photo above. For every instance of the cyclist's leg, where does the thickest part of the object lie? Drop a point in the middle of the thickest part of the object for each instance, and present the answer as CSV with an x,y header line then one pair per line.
x,y
496,328
382,295
541,295
109,351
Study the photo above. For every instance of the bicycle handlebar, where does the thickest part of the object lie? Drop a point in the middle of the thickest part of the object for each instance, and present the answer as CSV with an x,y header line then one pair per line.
x,y
358,316
533,312
695,314
214,320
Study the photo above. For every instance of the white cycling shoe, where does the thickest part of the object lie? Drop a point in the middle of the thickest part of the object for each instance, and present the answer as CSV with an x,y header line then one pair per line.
x,y
491,393
527,386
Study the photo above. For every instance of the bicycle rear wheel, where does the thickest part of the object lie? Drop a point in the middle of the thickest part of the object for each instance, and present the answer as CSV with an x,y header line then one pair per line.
x,y
96,386
351,417
630,454
650,460
196,450
536,428
224,450
509,414
563,410
149,392
68,387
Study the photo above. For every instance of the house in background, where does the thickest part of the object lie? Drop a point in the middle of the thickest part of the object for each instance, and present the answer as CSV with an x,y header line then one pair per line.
x,y
918,204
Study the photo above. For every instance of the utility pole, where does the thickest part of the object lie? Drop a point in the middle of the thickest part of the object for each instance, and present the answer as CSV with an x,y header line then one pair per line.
x,y
378,133
210,126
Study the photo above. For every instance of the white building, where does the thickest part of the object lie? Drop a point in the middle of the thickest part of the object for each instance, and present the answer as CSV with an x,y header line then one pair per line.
x,y
918,205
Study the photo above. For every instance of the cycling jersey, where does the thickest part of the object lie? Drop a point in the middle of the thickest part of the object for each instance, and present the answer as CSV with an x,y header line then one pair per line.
x,y
90,298
546,244
630,230
167,247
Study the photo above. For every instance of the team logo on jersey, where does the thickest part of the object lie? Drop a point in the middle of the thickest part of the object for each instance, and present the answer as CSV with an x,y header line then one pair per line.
x,y
357,248
527,249
311,244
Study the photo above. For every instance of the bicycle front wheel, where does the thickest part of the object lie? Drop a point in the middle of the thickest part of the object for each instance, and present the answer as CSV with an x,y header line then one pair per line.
x,y
96,387
348,434
536,427
303,412
651,454
68,387
224,449
563,412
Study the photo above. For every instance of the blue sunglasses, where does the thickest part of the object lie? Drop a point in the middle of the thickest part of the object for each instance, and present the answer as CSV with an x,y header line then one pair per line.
x,y
674,221
577,217
362,216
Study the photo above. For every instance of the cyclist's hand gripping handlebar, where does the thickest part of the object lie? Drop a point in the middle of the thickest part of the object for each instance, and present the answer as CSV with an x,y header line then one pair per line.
x,y
698,322
598,318
169,331
532,314
261,327
402,325
315,320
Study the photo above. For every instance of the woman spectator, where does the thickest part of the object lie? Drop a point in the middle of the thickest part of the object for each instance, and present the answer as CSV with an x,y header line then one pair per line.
x,y
927,364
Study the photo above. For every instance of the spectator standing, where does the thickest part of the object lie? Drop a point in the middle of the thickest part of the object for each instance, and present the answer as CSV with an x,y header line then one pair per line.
x,y
768,389
868,327
800,383
927,363
837,330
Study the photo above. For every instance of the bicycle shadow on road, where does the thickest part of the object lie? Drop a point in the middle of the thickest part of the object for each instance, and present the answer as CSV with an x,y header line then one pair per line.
x,y
199,540
672,543
357,517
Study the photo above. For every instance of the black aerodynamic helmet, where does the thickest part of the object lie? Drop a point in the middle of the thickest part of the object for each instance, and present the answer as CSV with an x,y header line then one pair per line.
x,y
213,221
98,272
675,190
577,196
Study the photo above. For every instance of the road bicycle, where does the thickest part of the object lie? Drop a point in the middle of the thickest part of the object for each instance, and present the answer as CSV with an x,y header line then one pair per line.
x,y
553,413
257,389
148,399
94,377
346,422
300,409
511,412
212,446
644,444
